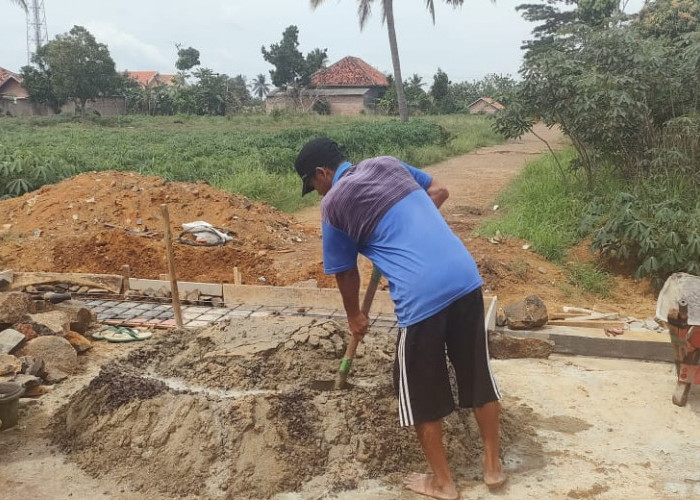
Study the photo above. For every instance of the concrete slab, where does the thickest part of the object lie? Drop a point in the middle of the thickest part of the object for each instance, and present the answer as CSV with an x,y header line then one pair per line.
x,y
183,287
328,298
645,345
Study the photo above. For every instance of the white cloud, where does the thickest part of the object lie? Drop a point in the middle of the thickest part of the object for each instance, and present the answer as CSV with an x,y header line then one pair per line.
x,y
128,51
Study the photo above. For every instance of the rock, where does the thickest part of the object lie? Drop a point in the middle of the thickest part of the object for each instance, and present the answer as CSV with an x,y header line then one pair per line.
x,y
33,366
193,295
502,346
526,314
14,306
80,316
55,351
48,323
9,340
27,381
35,392
9,365
501,318
26,330
54,376
79,343
217,301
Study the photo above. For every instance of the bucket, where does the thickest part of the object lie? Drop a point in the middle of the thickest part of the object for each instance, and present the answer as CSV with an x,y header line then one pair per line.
x,y
10,393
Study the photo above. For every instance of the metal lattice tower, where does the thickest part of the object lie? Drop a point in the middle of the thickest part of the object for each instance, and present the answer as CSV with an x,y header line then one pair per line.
x,y
37,34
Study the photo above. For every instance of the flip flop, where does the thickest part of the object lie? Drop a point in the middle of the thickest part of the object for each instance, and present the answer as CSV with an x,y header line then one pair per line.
x,y
100,334
124,334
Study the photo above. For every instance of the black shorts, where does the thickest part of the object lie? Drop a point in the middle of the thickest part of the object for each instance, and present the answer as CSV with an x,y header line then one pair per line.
x,y
421,377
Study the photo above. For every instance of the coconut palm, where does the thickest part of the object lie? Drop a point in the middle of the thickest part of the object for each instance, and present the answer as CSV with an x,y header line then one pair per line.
x,y
259,86
364,9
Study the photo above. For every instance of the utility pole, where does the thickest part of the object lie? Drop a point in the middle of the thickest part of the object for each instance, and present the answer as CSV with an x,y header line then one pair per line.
x,y
37,33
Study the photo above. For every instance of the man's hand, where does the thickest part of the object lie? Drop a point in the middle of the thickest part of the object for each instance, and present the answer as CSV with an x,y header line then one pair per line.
x,y
358,324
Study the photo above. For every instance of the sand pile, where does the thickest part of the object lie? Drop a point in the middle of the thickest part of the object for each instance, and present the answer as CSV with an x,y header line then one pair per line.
x,y
96,222
235,411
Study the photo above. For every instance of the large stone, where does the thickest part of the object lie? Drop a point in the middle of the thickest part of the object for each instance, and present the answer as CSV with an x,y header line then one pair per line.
x,y
54,376
14,305
80,316
526,314
502,346
79,343
9,365
55,351
27,330
9,340
48,323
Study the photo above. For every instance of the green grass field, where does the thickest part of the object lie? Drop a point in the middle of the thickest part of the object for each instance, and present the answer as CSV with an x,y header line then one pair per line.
x,y
251,155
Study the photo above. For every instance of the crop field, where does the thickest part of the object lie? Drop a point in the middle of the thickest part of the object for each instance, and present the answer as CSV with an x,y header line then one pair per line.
x,y
251,155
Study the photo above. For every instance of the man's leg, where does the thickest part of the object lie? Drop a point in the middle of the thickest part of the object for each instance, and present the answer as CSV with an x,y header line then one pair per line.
x,y
467,348
423,388
487,418
439,484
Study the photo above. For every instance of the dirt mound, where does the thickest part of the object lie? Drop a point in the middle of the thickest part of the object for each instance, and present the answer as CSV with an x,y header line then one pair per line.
x,y
61,228
232,411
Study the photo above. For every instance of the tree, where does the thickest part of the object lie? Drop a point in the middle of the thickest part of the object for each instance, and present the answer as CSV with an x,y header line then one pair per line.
x,y
442,94
364,9
291,68
260,86
416,97
72,66
186,58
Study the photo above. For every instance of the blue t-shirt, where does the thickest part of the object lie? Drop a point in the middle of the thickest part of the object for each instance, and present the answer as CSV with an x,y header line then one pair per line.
x,y
380,208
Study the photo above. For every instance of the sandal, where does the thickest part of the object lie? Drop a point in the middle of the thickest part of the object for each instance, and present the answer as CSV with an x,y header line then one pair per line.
x,y
125,334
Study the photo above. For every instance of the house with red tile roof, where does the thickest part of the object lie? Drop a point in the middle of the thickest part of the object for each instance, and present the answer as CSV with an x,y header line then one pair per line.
x,y
11,85
150,79
485,105
348,87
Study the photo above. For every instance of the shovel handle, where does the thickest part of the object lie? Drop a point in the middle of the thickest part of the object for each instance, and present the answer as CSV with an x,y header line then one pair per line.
x,y
366,305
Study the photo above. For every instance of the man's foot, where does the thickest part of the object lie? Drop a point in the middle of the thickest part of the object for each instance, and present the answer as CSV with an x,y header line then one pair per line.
x,y
494,477
425,484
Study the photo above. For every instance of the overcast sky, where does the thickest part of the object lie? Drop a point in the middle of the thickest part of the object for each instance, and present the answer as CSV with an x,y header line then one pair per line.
x,y
467,43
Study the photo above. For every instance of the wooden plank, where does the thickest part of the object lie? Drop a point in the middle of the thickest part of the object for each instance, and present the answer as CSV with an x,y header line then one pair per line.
x,y
586,323
109,282
565,315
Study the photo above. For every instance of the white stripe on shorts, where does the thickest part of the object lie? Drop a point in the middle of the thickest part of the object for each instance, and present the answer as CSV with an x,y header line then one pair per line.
x,y
405,411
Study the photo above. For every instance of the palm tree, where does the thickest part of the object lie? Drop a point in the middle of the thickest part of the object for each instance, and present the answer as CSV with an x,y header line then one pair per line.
x,y
364,9
260,86
22,3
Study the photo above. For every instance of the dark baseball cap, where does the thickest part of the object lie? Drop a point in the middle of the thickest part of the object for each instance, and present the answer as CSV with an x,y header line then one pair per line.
x,y
321,152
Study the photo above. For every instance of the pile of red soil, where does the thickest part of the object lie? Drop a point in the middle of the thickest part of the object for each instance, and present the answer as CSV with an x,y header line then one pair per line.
x,y
69,227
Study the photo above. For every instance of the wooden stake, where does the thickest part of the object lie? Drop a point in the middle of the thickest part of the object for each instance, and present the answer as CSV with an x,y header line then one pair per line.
x,y
175,294
236,276
126,275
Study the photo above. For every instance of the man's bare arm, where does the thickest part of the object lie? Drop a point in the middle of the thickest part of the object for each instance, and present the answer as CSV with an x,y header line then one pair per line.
x,y
437,192
349,286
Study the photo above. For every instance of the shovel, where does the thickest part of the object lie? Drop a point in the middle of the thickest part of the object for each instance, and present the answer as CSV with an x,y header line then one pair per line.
x,y
346,363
